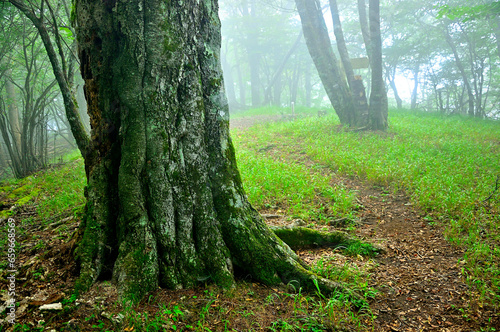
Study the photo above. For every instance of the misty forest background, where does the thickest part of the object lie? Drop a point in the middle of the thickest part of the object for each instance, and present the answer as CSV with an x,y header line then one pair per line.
x,y
438,56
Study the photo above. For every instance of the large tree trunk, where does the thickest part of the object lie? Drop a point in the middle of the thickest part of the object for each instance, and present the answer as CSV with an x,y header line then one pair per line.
x,y
165,203
378,94
320,49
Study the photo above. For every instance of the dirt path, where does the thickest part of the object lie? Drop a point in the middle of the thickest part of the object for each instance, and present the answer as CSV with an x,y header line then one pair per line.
x,y
419,275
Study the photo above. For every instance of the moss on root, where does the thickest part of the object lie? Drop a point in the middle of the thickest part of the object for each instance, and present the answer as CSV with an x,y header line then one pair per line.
x,y
306,238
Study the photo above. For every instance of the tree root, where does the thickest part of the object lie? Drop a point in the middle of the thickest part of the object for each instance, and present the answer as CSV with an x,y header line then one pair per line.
x,y
305,238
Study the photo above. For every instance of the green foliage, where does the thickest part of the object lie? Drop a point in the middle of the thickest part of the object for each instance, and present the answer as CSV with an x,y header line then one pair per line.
x,y
468,13
54,194
54,191
275,111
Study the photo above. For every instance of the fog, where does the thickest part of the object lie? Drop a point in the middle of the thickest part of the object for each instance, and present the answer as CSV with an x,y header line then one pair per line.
x,y
435,58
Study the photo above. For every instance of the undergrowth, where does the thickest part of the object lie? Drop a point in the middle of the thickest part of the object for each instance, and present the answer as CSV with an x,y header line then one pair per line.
x,y
449,166
291,188
46,196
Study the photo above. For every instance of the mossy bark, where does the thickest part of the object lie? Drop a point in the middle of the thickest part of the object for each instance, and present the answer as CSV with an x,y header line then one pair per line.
x,y
303,238
165,203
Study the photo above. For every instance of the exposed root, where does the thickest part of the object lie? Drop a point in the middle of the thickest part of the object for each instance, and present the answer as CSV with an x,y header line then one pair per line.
x,y
303,238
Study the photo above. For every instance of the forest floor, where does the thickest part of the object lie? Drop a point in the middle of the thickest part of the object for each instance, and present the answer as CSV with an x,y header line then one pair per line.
x,y
418,276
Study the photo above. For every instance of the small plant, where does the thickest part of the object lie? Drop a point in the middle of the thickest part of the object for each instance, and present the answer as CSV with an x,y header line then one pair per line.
x,y
100,325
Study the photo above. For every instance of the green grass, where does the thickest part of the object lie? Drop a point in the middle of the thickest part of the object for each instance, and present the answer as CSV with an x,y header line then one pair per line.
x,y
447,165
278,111
292,188
53,194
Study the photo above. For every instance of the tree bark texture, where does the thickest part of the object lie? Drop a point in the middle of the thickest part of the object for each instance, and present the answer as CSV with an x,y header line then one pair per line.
x,y
378,95
360,117
165,203
320,49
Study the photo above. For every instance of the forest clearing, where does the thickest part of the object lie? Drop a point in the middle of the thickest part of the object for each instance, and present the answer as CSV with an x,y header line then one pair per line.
x,y
249,165
437,271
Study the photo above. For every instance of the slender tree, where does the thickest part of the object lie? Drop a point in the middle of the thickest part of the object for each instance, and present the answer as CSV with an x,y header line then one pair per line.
x,y
42,18
378,95
360,116
321,51
348,100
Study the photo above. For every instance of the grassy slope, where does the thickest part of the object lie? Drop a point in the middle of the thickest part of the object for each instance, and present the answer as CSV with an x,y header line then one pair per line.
x,y
448,165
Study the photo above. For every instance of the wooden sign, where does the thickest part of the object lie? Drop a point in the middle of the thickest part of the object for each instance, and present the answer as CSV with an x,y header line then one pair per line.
x,y
360,63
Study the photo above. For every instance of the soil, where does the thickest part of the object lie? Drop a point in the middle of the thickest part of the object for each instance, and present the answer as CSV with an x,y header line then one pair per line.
x,y
419,276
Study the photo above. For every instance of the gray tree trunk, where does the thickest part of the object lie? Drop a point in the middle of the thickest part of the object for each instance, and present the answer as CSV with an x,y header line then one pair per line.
x,y
13,116
4,164
320,49
471,111
229,81
59,69
365,28
165,203
308,85
378,94
360,117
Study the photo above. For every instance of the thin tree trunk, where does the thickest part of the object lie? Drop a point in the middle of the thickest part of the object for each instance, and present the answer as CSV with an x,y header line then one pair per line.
x,y
399,101
449,40
165,202
390,70
496,31
365,28
72,114
319,46
277,74
3,157
241,83
414,94
229,81
13,115
378,95
253,51
307,84
360,116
